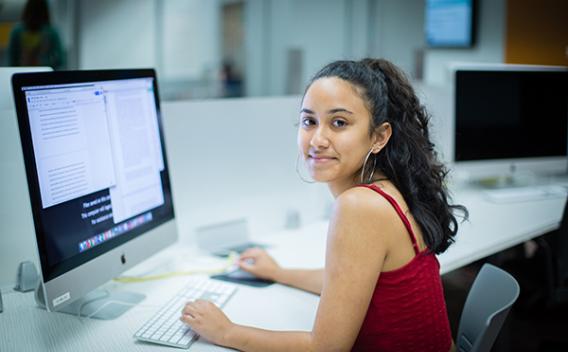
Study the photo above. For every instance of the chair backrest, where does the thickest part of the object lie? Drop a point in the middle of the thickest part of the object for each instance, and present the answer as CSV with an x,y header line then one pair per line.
x,y
562,251
488,302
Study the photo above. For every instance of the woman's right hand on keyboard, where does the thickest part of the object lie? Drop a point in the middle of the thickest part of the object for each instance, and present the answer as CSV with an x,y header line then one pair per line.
x,y
259,263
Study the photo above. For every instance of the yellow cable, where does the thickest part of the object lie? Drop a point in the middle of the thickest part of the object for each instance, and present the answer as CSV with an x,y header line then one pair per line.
x,y
132,279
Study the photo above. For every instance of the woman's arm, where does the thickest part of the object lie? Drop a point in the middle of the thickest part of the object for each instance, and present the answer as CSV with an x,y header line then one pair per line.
x,y
354,258
246,338
259,263
310,280
210,322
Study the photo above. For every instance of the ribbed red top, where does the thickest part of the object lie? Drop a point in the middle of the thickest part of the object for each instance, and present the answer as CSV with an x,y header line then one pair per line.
x,y
407,311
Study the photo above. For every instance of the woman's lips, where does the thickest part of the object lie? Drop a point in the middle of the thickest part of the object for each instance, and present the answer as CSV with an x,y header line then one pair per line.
x,y
319,159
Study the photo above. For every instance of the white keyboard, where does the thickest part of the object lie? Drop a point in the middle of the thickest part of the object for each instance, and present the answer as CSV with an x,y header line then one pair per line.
x,y
165,328
522,194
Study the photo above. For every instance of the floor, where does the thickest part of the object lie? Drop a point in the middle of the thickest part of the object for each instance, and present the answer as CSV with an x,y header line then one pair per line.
x,y
531,326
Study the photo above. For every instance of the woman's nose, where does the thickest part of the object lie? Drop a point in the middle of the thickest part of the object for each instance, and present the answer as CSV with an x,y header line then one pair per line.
x,y
320,138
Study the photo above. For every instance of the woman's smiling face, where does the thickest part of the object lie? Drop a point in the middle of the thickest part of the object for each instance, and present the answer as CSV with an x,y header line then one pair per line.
x,y
334,130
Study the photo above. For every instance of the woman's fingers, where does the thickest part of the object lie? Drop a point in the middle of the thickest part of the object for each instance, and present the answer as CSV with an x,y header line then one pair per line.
x,y
187,318
251,253
194,308
244,266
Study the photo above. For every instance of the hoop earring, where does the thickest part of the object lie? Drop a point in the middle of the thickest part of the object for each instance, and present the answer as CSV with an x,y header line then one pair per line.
x,y
299,173
365,167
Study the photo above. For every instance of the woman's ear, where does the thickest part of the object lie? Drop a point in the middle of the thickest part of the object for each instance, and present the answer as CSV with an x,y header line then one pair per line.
x,y
382,135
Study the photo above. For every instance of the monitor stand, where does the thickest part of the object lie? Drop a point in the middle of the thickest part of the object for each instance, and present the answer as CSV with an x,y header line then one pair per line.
x,y
98,304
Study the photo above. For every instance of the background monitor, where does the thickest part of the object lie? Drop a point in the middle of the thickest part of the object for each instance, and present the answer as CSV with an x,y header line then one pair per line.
x,y
450,23
97,175
510,118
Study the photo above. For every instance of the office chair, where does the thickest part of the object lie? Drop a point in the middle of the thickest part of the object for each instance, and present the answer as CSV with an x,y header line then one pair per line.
x,y
555,248
487,305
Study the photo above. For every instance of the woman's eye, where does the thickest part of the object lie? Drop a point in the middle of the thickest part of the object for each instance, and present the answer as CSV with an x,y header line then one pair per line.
x,y
339,123
307,121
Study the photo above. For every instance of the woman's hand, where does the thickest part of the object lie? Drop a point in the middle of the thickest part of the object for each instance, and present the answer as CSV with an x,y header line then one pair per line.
x,y
259,263
207,320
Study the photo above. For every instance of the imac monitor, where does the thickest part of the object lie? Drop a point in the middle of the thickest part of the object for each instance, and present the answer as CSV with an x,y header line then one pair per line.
x,y
509,118
97,174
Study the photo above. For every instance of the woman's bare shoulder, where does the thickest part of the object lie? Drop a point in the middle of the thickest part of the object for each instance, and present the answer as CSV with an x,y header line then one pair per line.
x,y
362,201
363,211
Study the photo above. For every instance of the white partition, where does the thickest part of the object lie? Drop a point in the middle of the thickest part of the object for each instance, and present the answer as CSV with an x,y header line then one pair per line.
x,y
236,158
17,236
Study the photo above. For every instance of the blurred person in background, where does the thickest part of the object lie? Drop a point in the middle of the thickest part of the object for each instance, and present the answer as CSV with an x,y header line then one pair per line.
x,y
34,41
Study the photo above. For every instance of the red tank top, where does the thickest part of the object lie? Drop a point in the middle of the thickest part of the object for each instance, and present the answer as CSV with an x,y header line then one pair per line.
x,y
407,311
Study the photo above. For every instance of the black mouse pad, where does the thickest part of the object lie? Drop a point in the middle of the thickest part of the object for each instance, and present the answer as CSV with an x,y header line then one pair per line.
x,y
255,282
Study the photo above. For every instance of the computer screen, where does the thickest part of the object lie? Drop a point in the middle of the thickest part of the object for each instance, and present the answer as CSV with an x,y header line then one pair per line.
x,y
450,23
510,113
97,173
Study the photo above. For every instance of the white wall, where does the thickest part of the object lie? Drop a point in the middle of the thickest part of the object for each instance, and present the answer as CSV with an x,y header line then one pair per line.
x,y
331,30
323,37
324,30
190,40
437,100
359,33
180,38
117,34
257,40
397,31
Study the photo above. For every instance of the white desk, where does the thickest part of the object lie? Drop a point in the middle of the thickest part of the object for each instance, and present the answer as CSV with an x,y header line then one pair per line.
x,y
492,227
24,327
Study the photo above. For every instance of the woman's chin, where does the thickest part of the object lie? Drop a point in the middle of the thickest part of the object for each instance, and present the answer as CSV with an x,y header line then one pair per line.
x,y
321,177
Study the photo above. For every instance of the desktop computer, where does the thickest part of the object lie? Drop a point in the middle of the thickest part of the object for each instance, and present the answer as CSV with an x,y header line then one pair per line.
x,y
98,180
510,123
100,192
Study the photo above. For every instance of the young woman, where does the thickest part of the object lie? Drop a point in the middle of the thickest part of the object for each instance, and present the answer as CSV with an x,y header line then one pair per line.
x,y
364,133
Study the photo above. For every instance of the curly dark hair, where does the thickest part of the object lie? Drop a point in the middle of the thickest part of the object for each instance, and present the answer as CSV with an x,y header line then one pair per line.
x,y
408,160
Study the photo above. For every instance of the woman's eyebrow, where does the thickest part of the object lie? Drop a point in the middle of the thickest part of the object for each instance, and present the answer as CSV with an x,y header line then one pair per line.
x,y
332,111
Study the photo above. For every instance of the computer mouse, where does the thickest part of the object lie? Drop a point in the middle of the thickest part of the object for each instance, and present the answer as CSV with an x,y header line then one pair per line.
x,y
235,271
